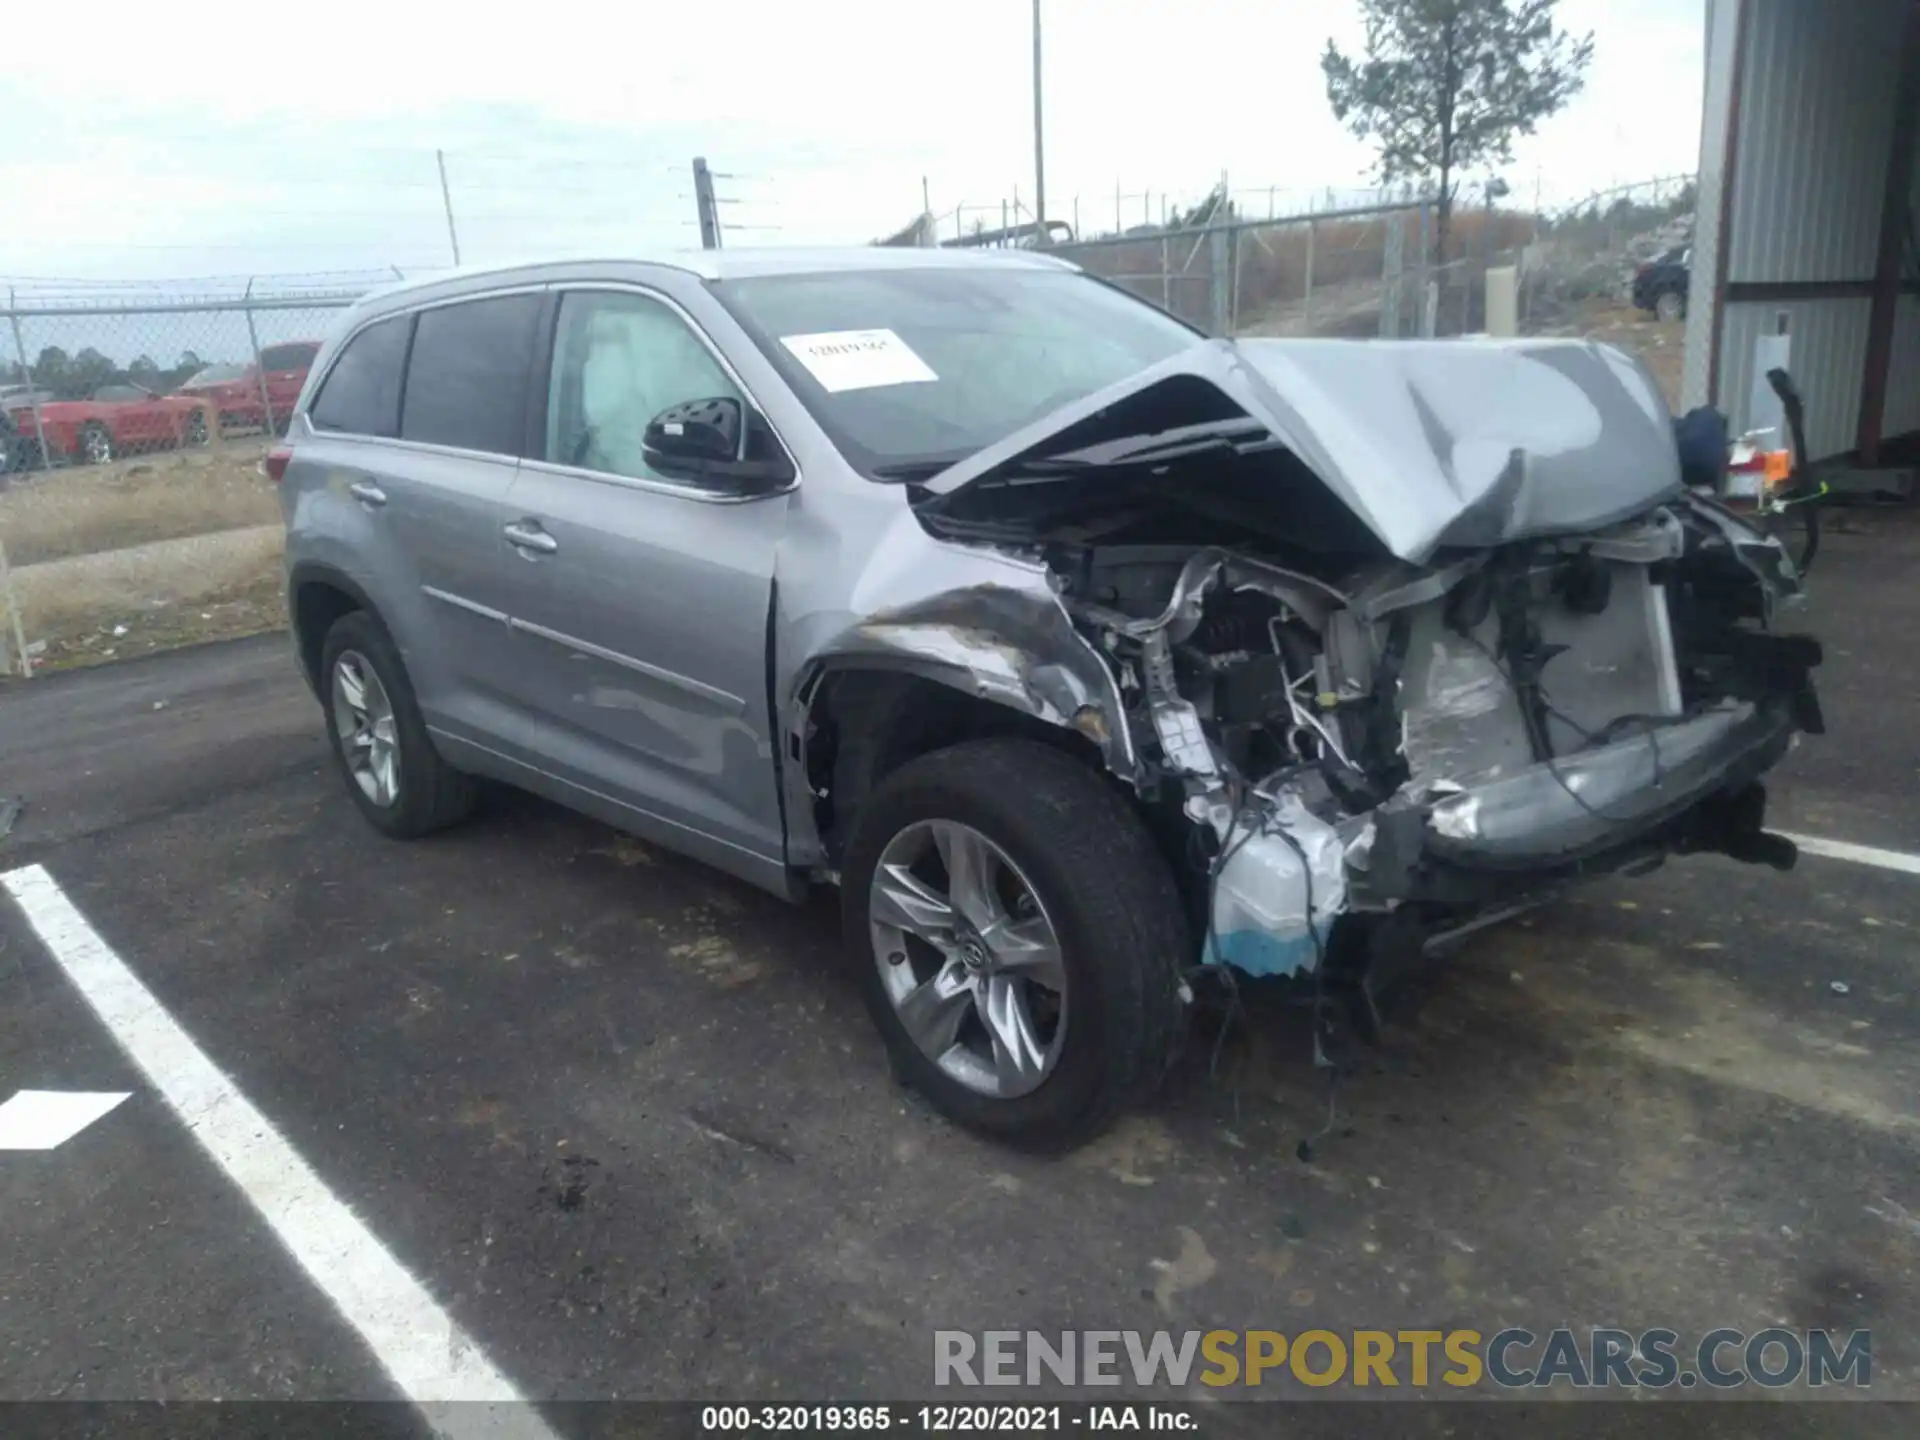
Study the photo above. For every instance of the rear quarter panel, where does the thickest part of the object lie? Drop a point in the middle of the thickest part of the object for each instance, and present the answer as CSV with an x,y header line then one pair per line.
x,y
329,532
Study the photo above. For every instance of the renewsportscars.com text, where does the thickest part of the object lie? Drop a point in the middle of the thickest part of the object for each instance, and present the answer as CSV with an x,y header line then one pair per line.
x,y
1512,1358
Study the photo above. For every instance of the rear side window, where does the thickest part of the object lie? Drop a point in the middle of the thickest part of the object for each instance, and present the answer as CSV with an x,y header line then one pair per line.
x,y
467,381
362,391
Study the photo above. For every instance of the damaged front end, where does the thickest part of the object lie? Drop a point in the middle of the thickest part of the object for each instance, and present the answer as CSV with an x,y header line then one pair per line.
x,y
1403,637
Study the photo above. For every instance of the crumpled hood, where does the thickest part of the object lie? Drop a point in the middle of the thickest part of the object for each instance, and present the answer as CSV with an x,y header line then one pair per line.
x,y
1430,443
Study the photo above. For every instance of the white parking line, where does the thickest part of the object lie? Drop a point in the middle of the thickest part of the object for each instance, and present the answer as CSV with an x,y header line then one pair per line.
x,y
431,1359
1858,854
47,1119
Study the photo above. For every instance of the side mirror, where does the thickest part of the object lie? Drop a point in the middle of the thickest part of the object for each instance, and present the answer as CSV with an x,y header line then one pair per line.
x,y
705,441
696,432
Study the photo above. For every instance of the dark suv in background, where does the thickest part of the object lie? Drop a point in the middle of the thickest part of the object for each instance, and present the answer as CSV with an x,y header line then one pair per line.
x,y
1661,285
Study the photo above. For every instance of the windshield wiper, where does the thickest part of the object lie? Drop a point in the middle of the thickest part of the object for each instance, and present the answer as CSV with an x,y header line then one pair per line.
x,y
1242,435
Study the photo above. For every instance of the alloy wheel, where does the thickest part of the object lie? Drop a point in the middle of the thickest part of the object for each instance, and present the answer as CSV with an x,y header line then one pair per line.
x,y
363,719
969,958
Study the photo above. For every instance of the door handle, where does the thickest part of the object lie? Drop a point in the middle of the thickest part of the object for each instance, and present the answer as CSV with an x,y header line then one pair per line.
x,y
527,535
367,494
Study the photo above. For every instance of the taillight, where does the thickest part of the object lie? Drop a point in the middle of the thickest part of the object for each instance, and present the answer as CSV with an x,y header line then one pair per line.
x,y
274,467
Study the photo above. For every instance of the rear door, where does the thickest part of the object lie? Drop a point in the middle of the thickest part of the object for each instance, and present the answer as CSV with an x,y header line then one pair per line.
x,y
644,601
433,422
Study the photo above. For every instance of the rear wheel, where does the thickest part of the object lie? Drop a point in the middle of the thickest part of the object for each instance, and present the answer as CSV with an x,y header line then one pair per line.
x,y
1670,306
1018,938
393,773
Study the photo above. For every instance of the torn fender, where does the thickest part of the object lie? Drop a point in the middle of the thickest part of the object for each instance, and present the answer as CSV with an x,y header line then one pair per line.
x,y
982,622
1007,646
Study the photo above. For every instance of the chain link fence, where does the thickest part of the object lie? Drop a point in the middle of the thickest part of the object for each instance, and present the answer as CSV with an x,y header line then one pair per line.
x,y
133,417
1333,273
1370,272
133,515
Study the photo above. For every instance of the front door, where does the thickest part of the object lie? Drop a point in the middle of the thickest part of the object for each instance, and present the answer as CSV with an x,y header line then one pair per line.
x,y
643,602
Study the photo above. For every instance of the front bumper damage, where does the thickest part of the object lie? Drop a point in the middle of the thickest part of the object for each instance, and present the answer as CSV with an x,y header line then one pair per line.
x,y
1470,737
1556,816
1402,637
1297,860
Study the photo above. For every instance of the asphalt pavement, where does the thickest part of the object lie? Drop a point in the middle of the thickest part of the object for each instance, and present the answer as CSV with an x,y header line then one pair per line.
x,y
626,1123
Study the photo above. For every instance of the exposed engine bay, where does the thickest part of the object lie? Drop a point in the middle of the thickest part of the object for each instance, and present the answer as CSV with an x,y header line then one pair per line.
x,y
1341,718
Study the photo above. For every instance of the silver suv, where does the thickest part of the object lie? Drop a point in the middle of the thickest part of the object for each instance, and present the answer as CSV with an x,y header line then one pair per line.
x,y
1087,656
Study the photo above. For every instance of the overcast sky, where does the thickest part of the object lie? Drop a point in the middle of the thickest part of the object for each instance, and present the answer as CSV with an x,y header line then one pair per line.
x,y
161,142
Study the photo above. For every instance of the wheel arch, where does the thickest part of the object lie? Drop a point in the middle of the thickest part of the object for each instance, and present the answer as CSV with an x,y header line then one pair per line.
x,y
318,594
860,718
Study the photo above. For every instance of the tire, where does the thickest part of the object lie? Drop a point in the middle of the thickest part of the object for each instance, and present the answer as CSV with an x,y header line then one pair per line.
x,y
1670,305
96,444
428,794
1070,849
194,432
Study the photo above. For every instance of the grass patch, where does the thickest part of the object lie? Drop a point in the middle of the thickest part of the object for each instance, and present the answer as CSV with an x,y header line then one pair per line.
x,y
86,608
89,509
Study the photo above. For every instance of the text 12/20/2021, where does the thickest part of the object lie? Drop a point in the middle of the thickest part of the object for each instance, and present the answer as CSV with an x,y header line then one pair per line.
x,y
950,1419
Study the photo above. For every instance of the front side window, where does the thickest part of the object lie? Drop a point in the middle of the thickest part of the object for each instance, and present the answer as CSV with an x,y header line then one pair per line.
x,y
619,360
915,366
467,378
361,395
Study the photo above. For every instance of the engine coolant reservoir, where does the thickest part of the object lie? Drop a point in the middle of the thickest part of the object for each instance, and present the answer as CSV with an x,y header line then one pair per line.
x,y
1259,922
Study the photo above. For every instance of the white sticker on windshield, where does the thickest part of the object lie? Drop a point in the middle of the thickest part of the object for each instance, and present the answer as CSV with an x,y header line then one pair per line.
x,y
858,359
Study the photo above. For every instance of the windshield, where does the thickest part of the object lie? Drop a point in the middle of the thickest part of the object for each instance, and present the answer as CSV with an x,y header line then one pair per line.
x,y
912,369
216,374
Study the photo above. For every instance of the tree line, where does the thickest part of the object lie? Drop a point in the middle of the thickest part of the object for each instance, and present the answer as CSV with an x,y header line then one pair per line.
x,y
74,377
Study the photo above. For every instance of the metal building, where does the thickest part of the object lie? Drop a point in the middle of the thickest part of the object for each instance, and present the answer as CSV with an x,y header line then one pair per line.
x,y
1804,249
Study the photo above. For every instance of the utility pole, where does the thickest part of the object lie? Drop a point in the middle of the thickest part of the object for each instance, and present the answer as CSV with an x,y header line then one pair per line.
x,y
703,202
446,198
1039,143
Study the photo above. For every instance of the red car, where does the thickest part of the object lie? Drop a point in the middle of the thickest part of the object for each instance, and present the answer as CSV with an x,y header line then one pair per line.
x,y
235,390
115,420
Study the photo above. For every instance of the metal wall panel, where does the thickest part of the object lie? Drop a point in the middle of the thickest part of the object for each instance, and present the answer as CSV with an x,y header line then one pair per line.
x,y
1903,372
1723,24
1816,120
1815,115
1828,358
1903,369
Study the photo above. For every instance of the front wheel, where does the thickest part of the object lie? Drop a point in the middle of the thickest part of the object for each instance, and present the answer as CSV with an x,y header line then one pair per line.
x,y
96,444
379,740
1018,938
1670,306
